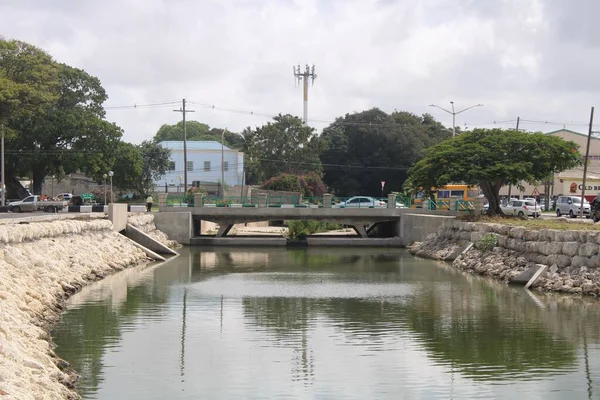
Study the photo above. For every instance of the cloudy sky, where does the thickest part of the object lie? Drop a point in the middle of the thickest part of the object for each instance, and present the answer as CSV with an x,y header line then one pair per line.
x,y
536,59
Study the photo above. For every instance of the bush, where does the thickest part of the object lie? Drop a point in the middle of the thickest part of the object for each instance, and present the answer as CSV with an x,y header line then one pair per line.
x,y
189,196
310,185
300,229
488,242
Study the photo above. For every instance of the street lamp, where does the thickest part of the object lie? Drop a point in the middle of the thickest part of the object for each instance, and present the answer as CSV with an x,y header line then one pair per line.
x,y
110,173
104,176
454,113
223,163
179,188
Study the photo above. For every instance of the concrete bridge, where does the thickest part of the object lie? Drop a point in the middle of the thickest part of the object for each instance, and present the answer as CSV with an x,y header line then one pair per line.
x,y
405,225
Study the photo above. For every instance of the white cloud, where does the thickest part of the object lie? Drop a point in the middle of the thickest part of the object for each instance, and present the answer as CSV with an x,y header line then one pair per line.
x,y
529,58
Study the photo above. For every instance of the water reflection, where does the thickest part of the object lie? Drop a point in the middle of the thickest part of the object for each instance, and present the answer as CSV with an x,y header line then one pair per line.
x,y
377,323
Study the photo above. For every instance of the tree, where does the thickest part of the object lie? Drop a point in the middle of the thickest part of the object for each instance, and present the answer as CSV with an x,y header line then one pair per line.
x,y
284,146
198,131
128,166
68,135
155,164
492,158
28,79
310,185
363,149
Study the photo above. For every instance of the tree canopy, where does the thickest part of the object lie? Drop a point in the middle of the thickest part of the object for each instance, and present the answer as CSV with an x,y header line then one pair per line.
x,y
492,158
283,146
155,165
198,131
363,149
54,118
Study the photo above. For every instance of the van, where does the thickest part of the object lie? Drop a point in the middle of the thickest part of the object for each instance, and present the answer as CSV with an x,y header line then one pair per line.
x,y
571,206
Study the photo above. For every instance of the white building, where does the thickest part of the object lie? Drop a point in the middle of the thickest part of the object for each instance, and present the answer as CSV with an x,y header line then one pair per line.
x,y
203,165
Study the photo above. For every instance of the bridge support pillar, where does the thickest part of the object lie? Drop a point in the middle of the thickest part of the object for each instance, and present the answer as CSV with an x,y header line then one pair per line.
x,y
162,199
262,200
198,200
391,200
327,200
224,229
360,229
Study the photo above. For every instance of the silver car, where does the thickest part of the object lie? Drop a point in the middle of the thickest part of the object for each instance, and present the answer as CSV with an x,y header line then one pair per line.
x,y
362,202
571,206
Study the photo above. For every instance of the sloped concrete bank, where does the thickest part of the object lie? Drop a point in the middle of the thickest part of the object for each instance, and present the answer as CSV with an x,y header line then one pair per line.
x,y
145,223
41,265
572,255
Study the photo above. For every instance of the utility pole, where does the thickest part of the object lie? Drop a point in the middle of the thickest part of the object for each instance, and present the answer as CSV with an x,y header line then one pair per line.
x,y
455,113
303,76
223,164
585,164
2,162
183,111
516,130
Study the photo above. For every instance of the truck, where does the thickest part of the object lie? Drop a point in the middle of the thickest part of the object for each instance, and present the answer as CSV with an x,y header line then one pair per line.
x,y
33,203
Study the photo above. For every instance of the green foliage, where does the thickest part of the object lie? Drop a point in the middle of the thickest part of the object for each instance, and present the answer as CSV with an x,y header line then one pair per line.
x,y
298,230
310,185
198,131
492,158
155,164
285,146
128,165
29,79
488,242
54,116
376,147
189,196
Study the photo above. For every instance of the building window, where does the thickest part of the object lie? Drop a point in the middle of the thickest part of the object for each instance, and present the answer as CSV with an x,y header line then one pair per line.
x,y
206,166
171,166
225,165
190,165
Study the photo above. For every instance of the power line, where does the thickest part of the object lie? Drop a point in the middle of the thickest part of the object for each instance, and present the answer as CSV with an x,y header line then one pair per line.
x,y
135,106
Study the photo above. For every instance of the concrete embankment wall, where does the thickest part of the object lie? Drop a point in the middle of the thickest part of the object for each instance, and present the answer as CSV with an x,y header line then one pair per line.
x,y
416,227
41,264
571,255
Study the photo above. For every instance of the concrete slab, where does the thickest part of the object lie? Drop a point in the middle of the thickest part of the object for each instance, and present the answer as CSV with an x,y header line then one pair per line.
x,y
140,237
176,225
117,213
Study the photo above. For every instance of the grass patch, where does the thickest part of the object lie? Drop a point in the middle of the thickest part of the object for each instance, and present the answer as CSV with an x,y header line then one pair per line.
x,y
537,223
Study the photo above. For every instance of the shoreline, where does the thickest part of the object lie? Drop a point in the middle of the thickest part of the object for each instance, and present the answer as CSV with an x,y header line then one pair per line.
x,y
42,264
572,256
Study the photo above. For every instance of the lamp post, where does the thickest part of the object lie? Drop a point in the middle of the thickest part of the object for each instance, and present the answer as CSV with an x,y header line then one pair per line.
x,y
2,166
454,113
179,188
110,173
104,176
223,163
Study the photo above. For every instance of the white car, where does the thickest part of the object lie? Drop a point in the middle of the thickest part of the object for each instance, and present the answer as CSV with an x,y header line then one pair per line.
x,y
522,208
362,202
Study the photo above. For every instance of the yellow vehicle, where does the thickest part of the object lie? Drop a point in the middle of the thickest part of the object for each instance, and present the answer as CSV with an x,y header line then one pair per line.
x,y
445,194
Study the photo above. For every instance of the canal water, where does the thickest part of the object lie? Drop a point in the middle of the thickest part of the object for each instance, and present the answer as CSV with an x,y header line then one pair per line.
x,y
325,324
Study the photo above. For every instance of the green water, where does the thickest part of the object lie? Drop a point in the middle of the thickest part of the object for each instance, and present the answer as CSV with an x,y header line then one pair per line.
x,y
325,324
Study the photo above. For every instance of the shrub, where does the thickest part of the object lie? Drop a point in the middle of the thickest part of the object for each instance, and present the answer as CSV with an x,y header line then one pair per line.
x,y
488,242
300,229
189,196
310,185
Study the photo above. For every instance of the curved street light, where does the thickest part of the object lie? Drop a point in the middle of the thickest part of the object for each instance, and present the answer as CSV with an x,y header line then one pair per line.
x,y
110,173
454,113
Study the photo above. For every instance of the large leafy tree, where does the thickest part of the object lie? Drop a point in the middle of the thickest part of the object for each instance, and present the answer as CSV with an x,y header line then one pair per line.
x,y
492,158
283,146
198,131
155,165
128,166
68,135
363,149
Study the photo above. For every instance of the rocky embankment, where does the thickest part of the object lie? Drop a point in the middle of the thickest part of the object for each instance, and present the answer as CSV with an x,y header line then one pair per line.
x,y
41,265
502,252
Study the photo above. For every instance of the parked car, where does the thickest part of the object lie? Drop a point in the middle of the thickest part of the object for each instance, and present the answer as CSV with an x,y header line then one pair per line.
x,y
362,202
522,208
571,206
64,196
595,210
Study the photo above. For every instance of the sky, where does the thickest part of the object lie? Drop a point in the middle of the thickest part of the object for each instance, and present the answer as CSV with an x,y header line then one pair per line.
x,y
232,60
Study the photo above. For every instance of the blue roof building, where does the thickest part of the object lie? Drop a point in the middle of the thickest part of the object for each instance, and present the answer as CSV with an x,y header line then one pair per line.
x,y
204,162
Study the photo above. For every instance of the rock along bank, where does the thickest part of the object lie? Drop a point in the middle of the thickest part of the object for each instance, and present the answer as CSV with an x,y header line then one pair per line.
x,y
502,252
41,265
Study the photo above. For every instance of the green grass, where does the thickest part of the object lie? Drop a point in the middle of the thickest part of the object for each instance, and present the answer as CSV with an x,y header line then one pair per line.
x,y
531,223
